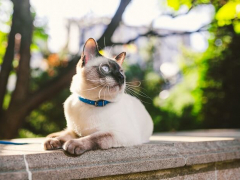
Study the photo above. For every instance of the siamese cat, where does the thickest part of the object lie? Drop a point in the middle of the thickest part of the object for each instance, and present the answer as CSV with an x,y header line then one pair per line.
x,y
99,114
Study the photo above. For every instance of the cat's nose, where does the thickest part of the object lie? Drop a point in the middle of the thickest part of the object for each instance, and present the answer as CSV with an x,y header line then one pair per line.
x,y
120,78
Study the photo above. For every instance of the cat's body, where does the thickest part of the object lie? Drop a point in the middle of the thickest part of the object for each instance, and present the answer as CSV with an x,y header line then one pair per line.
x,y
122,122
127,120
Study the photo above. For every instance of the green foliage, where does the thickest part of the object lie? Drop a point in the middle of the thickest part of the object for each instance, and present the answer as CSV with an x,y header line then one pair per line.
x,y
177,111
229,14
220,84
176,4
46,119
5,21
25,133
3,43
208,95
40,38
181,108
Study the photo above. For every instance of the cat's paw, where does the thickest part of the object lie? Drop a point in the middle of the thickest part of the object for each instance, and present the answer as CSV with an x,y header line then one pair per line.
x,y
75,147
51,144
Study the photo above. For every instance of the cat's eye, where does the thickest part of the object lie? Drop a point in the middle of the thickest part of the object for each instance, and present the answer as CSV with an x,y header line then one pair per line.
x,y
105,68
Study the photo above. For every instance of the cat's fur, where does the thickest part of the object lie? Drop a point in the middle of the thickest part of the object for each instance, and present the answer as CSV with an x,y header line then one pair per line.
x,y
123,122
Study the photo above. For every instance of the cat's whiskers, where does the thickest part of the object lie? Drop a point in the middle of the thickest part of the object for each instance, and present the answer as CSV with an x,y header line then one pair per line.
x,y
104,93
139,92
92,88
99,93
136,87
138,98
97,80
111,82
131,83
135,94
109,89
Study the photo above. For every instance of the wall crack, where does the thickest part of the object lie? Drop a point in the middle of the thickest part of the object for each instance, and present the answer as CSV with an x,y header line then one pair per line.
x,y
27,167
216,172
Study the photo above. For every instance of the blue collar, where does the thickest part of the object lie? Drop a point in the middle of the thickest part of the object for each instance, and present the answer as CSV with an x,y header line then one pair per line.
x,y
99,103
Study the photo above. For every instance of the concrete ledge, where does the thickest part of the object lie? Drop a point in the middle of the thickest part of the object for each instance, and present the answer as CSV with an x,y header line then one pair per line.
x,y
181,152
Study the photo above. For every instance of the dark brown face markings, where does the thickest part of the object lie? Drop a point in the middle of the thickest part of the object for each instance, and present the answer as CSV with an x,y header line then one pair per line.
x,y
108,68
116,72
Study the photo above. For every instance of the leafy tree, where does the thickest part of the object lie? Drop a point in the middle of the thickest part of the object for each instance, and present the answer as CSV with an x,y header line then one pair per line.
x,y
211,79
220,83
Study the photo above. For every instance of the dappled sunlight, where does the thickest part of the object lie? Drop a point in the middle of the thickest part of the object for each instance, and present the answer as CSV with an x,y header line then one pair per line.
x,y
169,69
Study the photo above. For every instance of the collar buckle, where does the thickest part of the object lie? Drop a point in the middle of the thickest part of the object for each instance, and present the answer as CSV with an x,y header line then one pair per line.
x,y
97,103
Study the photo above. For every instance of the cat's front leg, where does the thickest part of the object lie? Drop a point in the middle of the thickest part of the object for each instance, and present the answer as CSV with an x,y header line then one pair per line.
x,y
56,140
94,141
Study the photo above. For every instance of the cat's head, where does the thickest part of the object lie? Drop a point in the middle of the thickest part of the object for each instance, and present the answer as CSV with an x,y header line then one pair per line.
x,y
98,77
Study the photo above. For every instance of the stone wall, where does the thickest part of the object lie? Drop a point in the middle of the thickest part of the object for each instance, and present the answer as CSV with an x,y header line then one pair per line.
x,y
185,155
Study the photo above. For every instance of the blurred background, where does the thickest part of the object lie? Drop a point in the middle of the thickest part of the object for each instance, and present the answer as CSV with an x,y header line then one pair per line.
x,y
183,59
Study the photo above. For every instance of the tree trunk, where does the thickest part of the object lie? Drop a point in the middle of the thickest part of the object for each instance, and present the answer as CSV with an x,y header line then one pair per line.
x,y
23,72
9,54
22,24
105,39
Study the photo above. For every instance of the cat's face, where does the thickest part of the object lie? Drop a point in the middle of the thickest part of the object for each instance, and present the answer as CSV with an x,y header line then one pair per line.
x,y
98,77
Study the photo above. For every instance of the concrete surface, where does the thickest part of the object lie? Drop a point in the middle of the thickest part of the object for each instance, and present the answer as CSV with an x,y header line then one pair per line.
x,y
213,154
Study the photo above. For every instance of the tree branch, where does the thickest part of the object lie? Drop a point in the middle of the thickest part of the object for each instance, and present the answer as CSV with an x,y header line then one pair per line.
x,y
105,39
52,87
177,15
155,34
194,4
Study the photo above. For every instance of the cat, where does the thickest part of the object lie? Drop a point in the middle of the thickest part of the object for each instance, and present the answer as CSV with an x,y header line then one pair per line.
x,y
117,120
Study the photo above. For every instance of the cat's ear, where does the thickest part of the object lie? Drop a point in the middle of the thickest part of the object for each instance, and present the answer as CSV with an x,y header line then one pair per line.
x,y
120,58
90,50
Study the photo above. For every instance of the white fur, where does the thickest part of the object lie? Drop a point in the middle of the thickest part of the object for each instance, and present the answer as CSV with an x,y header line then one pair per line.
x,y
125,118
